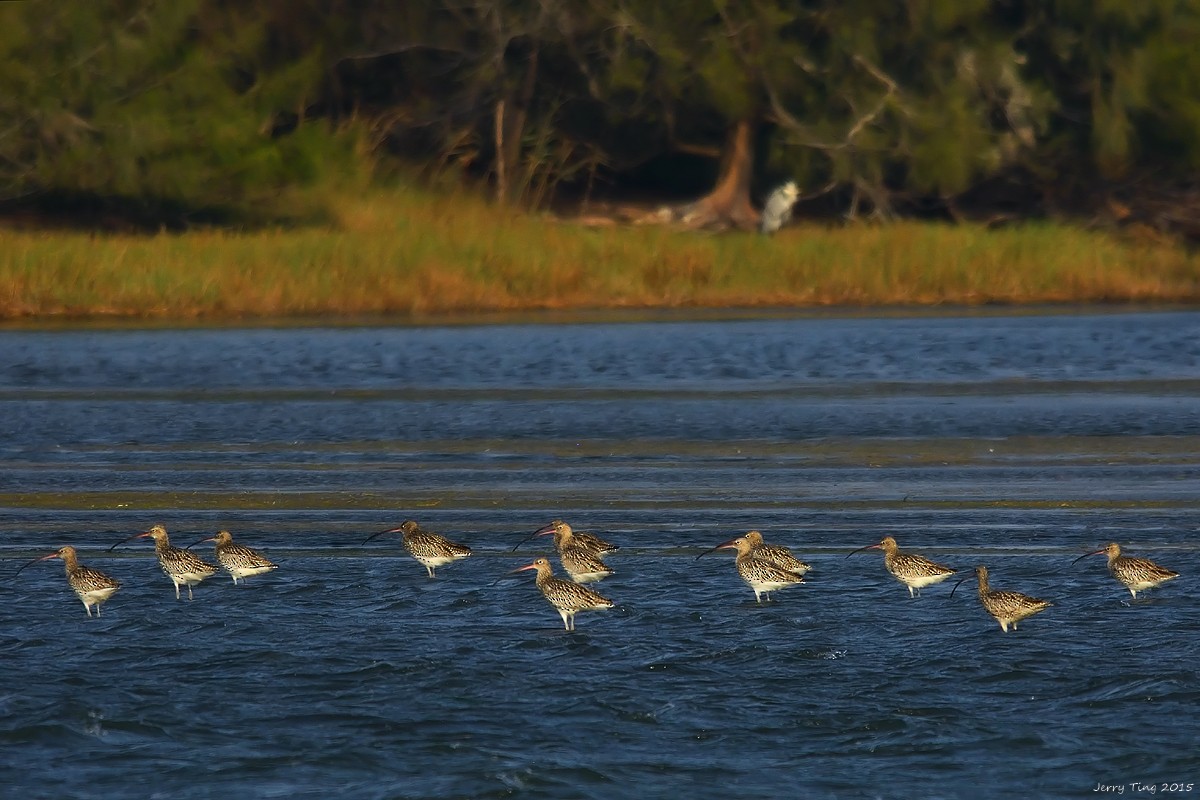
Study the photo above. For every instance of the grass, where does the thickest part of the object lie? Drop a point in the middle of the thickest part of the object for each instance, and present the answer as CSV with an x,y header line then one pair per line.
x,y
409,252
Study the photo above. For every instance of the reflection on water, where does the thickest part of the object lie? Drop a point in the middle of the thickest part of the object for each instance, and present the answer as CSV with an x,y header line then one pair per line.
x,y
1019,442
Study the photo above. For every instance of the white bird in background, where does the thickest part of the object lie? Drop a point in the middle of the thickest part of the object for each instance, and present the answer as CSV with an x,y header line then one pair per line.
x,y
778,210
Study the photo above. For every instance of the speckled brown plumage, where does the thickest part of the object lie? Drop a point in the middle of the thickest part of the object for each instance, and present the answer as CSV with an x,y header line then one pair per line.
x,y
1007,608
565,537
91,586
1136,574
238,560
776,554
914,571
760,575
583,565
431,550
581,554
183,567
567,598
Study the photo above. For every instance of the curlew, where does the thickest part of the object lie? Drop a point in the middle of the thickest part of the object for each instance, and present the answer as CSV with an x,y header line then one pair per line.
x,y
1136,574
759,574
237,559
778,555
564,536
567,598
1007,608
431,549
581,554
184,568
582,565
91,586
914,571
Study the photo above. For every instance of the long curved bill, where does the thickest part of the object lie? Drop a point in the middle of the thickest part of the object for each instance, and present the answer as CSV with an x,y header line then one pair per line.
x,y
130,539
36,560
721,546
867,547
542,531
201,541
1085,555
381,533
514,572
961,581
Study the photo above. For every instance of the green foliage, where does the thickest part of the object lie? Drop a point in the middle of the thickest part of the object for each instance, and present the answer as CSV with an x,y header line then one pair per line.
x,y
1106,63
125,100
193,105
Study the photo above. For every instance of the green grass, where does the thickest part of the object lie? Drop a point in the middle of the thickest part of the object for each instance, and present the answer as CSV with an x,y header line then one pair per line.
x,y
409,252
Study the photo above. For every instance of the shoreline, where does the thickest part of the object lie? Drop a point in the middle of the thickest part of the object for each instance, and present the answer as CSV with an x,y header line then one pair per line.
x,y
591,316
421,258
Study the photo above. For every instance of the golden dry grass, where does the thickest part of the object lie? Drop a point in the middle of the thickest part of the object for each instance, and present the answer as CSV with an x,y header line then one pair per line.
x,y
412,252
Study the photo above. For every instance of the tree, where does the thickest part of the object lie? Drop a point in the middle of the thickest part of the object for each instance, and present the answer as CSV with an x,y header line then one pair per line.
x,y
908,101
159,110
212,108
1123,77
691,70
870,95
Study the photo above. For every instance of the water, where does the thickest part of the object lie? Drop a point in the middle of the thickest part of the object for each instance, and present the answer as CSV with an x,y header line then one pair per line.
x,y
1017,442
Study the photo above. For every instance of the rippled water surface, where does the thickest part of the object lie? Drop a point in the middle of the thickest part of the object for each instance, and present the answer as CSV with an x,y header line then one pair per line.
x,y
1015,442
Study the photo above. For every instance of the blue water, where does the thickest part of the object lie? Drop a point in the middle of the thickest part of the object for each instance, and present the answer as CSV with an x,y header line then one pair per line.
x,y
1016,442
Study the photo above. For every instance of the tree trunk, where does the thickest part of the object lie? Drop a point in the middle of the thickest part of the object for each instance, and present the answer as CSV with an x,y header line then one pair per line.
x,y
728,204
511,118
501,154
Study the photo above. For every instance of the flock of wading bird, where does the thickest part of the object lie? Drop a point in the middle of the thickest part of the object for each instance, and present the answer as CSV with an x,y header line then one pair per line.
x,y
764,567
